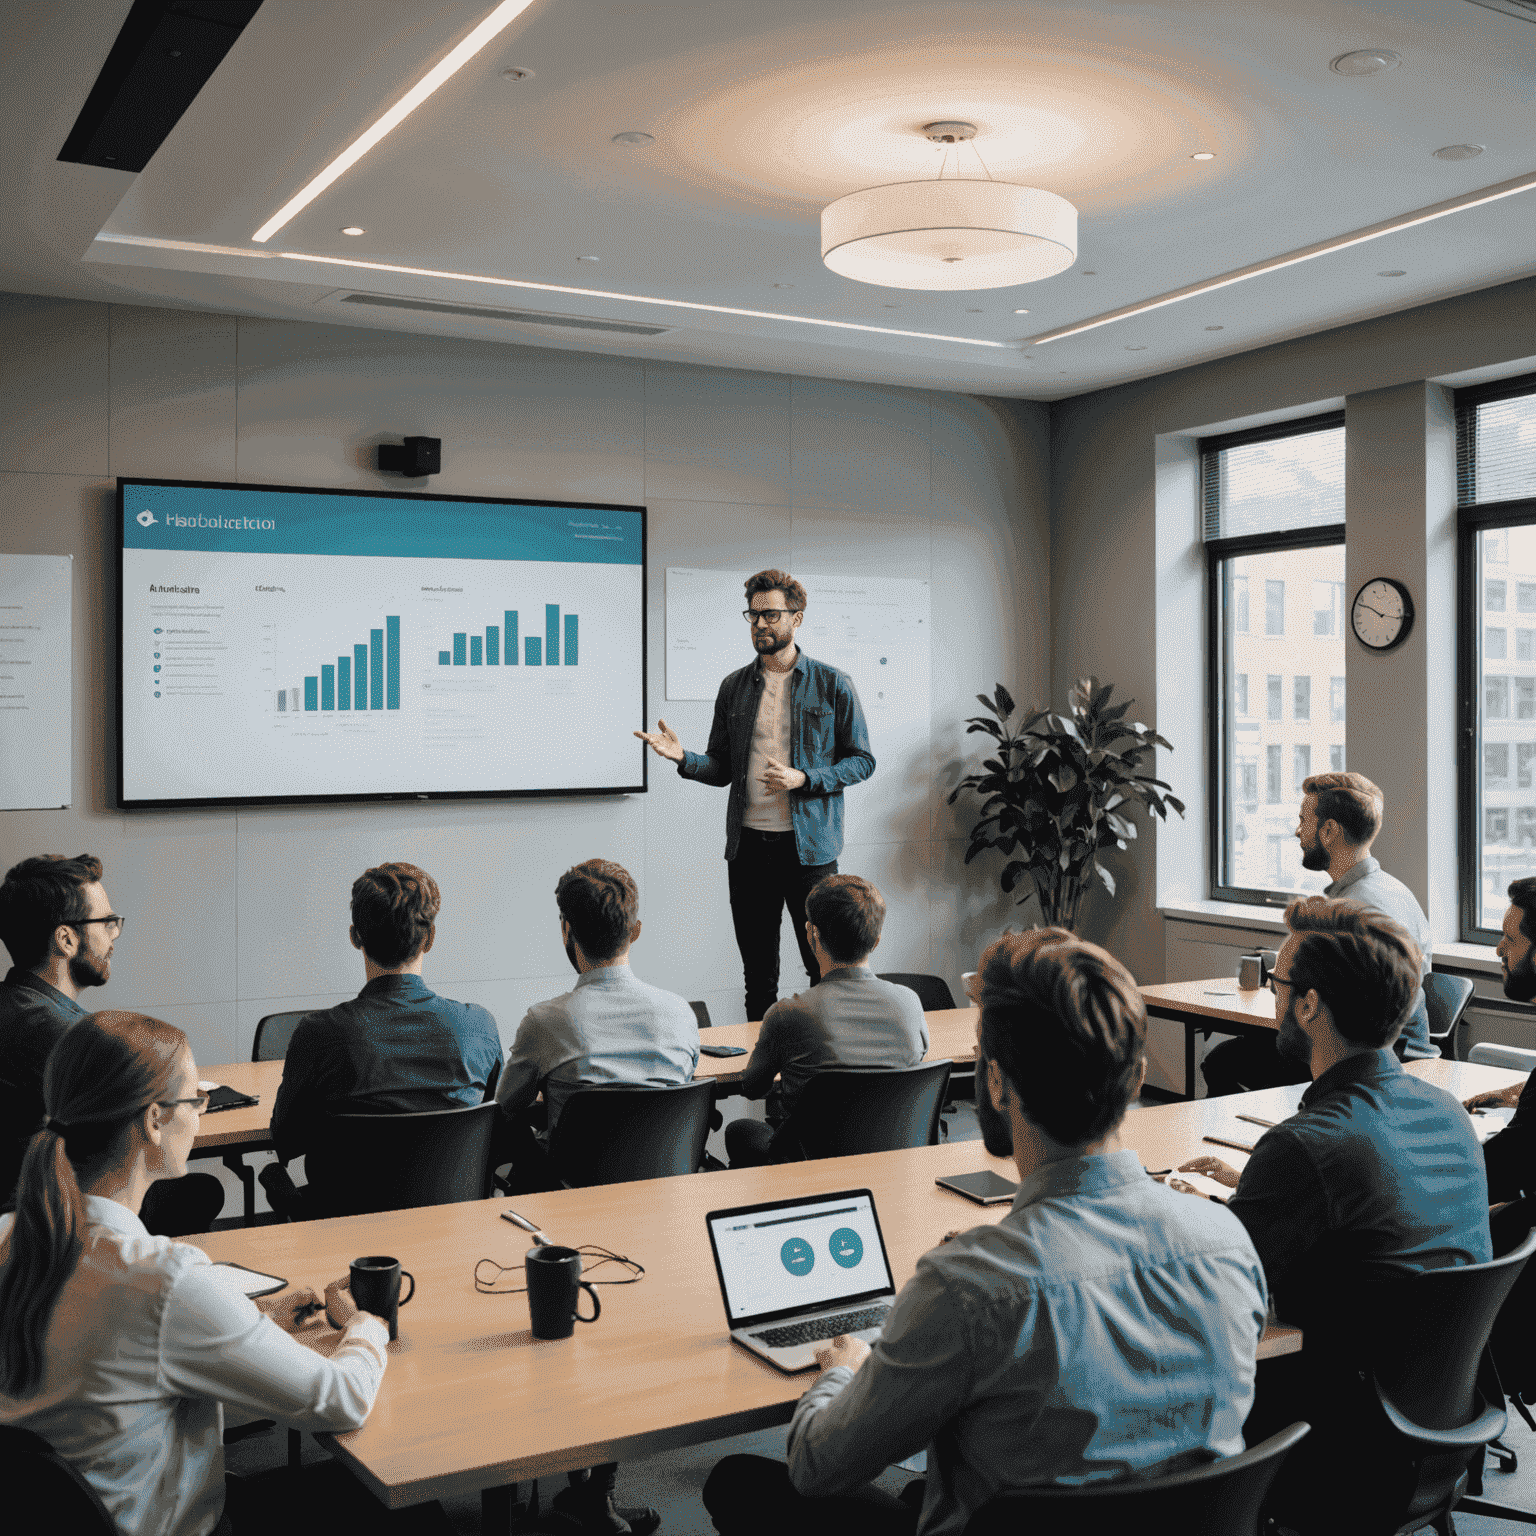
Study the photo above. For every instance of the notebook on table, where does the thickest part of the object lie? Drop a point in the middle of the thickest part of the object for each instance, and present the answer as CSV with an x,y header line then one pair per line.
x,y
795,1273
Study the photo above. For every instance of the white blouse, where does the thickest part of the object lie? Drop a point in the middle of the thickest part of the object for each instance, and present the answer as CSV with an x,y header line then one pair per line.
x,y
148,1341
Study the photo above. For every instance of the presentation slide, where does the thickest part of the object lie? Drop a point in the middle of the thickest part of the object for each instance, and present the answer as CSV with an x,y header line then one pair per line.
x,y
283,644
800,1256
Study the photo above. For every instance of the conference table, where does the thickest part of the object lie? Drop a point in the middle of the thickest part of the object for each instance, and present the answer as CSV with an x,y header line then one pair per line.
x,y
472,1402
1218,1004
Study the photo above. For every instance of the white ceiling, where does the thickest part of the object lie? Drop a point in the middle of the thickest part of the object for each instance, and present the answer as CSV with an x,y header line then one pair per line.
x,y
763,111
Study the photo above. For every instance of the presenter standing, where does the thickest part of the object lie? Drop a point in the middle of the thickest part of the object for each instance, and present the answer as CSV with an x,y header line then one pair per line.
x,y
788,736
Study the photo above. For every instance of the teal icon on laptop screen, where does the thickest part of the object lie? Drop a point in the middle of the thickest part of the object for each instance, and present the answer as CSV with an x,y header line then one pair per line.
x,y
798,1256
847,1248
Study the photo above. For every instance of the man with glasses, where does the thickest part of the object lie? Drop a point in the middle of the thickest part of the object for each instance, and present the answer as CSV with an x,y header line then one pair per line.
x,y
788,737
60,929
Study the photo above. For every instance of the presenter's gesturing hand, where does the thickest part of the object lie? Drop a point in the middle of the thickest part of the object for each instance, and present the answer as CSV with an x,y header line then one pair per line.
x,y
663,741
776,775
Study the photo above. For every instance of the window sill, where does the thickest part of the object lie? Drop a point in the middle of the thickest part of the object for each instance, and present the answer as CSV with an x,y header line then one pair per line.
x,y
1226,914
1469,957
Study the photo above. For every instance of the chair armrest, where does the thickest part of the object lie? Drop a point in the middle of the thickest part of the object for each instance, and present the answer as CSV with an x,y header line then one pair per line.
x,y
1488,1425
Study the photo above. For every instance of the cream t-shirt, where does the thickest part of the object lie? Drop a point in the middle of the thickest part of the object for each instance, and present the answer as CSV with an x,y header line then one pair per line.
x,y
768,810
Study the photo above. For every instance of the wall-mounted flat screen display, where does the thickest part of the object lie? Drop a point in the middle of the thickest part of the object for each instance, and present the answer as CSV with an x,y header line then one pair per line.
x,y
281,644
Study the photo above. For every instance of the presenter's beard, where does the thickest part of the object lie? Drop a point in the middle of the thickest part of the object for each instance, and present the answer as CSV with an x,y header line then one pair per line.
x,y
996,1132
1315,857
1292,1040
770,644
90,970
1520,981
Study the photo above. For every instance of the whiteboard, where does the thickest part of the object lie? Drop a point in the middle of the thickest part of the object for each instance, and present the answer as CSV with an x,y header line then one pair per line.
x,y
36,709
874,628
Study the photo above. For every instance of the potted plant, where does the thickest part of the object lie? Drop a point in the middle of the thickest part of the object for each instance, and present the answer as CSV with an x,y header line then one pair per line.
x,y
1059,791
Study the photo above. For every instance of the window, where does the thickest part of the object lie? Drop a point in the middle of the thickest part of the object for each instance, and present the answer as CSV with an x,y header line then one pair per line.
x,y
1301,764
1496,496
1273,512
1274,607
1336,758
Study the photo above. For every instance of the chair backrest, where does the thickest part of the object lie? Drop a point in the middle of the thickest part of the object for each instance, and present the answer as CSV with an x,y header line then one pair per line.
x,y
932,991
1445,1000
701,1013
614,1134
1221,1498
842,1112
273,1034
365,1163
1487,1054
63,1502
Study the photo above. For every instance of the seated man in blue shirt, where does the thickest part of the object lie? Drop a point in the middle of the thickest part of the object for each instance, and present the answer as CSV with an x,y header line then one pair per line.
x,y
396,1048
1050,1347
1376,1176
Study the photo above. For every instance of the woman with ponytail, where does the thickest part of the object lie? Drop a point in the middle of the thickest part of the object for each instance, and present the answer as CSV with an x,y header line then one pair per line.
x,y
120,1348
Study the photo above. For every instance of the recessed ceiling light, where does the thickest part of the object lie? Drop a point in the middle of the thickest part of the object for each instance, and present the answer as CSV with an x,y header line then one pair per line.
x,y
589,258
1021,311
1460,152
1135,349
1392,272
354,229
974,311
441,72
783,285
1365,61
890,306
1203,154
634,136
1215,327
515,74
1089,273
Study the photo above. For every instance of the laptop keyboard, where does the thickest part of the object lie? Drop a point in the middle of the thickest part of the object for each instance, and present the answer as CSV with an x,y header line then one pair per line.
x,y
822,1328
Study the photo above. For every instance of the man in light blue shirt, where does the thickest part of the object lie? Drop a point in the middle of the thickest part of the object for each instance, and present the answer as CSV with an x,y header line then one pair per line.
x,y
1105,1327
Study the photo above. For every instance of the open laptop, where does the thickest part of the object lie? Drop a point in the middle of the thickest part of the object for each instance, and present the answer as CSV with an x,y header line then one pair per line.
x,y
795,1273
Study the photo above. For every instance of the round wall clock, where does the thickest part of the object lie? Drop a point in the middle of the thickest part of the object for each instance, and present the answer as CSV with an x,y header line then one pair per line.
x,y
1382,614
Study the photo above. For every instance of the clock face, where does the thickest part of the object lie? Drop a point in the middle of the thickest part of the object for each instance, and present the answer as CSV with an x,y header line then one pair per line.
x,y
1382,614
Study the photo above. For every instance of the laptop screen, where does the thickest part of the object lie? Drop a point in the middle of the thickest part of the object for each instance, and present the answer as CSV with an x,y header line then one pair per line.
x,y
798,1256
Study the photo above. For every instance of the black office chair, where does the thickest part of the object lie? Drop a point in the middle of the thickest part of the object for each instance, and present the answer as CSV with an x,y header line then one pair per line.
x,y
841,1113
701,1013
65,1504
932,991
273,1034
366,1163
1446,999
1222,1498
616,1134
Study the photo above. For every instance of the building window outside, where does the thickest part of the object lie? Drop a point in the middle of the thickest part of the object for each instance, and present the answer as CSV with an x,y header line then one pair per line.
x,y
1327,607
1525,825
1496,764
1495,644
1525,597
1301,763
1240,604
1240,693
1272,696
1248,784
1277,866
1272,774
1274,607
1525,756
1493,596
1336,758
1301,700
1496,826
1525,645
1335,700
1496,698
1525,698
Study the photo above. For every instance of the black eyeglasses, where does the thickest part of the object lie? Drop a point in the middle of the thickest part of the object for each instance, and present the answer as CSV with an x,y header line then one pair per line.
x,y
111,917
201,1101
1272,978
772,615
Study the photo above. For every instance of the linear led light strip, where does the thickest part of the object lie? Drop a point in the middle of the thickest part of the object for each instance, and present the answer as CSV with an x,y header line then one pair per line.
x,y
1306,253
516,282
493,25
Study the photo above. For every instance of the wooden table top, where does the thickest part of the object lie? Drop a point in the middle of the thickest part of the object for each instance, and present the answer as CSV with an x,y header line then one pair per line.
x,y
1218,998
470,1401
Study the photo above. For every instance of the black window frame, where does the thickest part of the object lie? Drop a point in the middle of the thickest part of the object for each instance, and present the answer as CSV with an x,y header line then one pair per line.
x,y
1474,519
1219,660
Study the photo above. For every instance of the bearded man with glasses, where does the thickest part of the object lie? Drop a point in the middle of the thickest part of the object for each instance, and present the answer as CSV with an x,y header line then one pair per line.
x,y
788,738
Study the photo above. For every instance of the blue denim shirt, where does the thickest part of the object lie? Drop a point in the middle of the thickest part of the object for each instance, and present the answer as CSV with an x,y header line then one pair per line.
x,y
829,744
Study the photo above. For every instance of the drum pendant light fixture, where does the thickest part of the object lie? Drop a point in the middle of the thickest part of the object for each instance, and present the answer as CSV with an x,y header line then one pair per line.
x,y
949,234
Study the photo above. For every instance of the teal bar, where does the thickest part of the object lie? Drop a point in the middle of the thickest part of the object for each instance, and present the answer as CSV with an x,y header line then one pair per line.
x,y
570,639
360,676
311,693
531,648
492,646
476,657
509,617
282,701
551,634
392,627
376,677
444,658
343,682
327,687
460,659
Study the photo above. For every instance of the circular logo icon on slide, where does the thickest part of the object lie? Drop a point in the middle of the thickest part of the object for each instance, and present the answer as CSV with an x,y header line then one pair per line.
x,y
798,1256
847,1248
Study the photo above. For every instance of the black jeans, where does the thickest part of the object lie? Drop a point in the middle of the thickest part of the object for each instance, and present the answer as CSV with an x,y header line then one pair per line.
x,y
1250,1061
752,1496
766,876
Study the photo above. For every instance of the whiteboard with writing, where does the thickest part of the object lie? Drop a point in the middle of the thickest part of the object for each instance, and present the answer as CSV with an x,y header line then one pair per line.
x,y
36,708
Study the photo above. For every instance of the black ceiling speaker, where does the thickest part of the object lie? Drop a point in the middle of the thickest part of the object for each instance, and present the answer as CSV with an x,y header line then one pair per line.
x,y
416,457
164,55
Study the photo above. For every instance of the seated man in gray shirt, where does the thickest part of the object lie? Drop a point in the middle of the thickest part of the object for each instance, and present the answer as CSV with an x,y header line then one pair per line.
x,y
1106,1327
850,1018
1340,819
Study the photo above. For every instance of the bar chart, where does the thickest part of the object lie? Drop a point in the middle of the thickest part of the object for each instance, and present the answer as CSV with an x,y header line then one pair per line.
x,y
366,679
496,645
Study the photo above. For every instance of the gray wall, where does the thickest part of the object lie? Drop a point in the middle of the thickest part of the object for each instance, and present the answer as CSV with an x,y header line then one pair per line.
x,y
1127,576
238,914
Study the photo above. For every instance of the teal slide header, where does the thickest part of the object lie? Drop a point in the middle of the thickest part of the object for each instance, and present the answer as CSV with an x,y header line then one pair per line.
x,y
237,519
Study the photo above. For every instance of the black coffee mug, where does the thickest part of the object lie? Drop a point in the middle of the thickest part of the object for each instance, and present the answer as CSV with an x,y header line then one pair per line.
x,y
554,1280
375,1288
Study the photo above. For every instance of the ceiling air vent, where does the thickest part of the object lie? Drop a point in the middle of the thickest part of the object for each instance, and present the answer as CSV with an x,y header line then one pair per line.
x,y
1523,10
515,316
